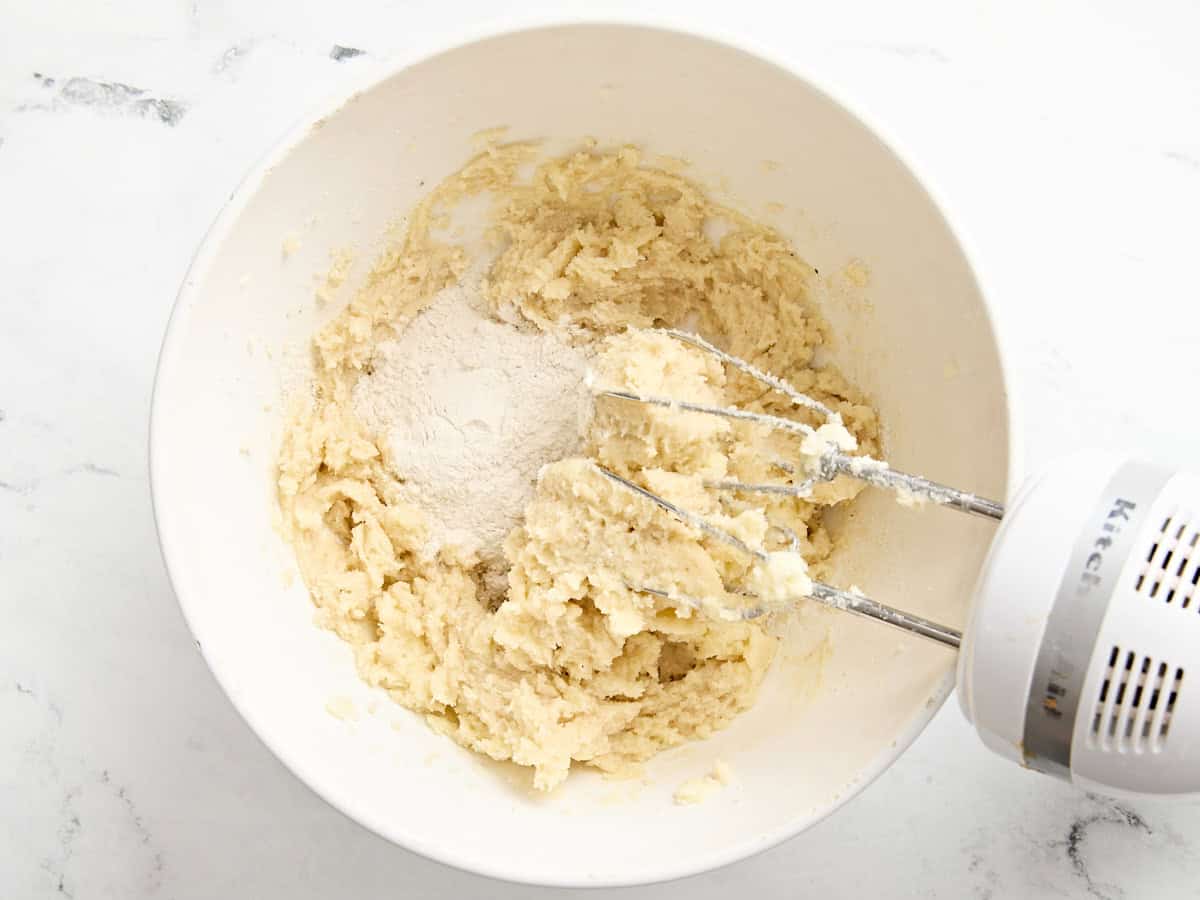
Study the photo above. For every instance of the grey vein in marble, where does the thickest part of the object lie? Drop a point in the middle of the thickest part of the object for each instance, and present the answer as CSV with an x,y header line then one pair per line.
x,y
54,709
338,53
233,57
68,832
92,468
977,866
1111,813
81,788
111,97
84,468
154,877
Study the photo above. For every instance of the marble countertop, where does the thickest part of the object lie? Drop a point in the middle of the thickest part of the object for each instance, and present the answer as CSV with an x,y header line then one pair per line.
x,y
1066,139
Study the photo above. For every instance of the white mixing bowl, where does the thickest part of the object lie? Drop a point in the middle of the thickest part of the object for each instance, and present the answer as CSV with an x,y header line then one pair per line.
x,y
917,336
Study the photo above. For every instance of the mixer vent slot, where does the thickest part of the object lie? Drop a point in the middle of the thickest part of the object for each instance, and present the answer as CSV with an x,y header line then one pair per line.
x,y
1171,571
1133,710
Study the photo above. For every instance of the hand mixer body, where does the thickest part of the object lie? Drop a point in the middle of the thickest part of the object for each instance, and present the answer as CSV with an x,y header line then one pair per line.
x,y
1084,638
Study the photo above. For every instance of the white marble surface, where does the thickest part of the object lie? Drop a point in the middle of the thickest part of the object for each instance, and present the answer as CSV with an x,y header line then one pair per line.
x,y
1066,138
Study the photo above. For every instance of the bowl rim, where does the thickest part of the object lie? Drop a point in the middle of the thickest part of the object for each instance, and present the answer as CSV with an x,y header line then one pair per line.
x,y
435,44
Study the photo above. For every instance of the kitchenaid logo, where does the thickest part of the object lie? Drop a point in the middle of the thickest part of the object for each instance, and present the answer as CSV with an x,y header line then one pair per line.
x,y
1061,681
1118,516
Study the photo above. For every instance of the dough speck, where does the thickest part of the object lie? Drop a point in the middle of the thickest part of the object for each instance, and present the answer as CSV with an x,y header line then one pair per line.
x,y
342,707
697,790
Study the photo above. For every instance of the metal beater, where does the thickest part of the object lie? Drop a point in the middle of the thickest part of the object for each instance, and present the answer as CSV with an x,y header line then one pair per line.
x,y
1084,622
832,463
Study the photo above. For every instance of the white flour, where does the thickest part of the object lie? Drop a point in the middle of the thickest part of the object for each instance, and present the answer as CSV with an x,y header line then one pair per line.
x,y
469,410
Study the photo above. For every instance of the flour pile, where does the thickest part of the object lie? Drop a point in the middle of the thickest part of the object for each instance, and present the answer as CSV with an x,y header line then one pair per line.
x,y
468,410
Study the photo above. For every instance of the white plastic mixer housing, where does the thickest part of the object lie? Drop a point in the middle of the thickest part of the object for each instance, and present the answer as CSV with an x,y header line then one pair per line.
x,y
1084,639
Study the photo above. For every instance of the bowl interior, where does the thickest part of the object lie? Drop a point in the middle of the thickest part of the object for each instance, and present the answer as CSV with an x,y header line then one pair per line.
x,y
912,329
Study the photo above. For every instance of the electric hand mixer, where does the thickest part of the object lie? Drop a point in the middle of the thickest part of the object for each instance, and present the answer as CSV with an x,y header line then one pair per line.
x,y
1085,618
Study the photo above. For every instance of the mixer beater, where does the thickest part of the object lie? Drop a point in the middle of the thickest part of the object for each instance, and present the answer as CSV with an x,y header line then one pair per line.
x,y
1085,618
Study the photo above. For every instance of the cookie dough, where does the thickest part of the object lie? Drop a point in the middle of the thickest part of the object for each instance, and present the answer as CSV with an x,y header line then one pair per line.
x,y
573,663
698,790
